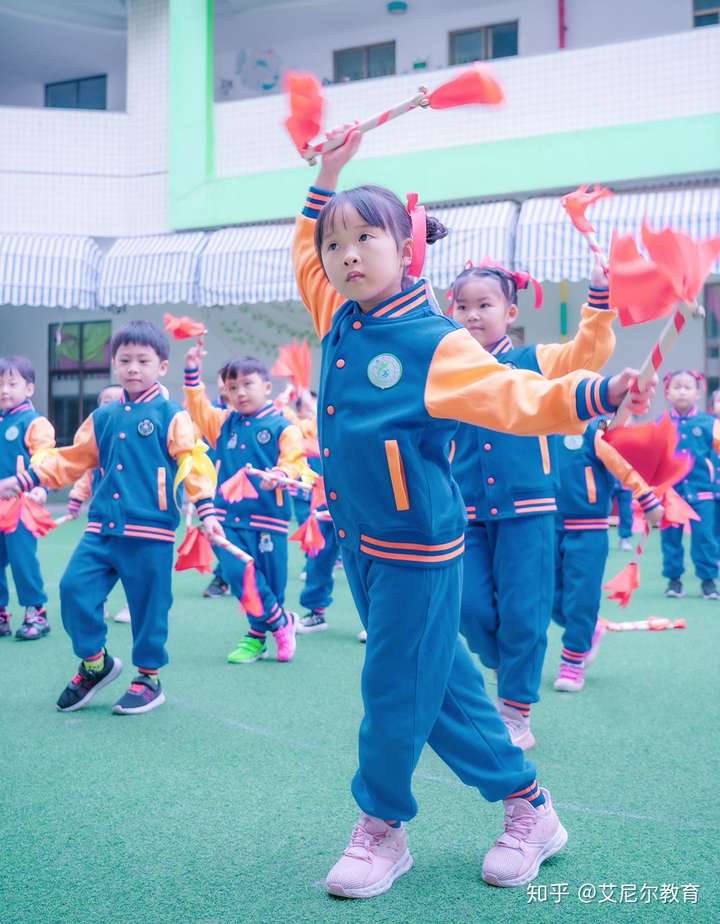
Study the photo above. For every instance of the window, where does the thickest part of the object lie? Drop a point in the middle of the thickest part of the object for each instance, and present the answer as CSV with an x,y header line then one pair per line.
x,y
711,300
364,62
79,369
706,12
481,44
85,93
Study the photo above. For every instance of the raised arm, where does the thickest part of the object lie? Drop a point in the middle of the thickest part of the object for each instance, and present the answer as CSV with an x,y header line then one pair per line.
x,y
591,347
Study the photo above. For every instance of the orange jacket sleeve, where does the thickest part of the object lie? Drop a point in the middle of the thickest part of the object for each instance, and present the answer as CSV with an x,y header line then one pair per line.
x,y
209,419
319,297
466,383
82,489
39,435
199,482
292,453
57,468
716,436
591,347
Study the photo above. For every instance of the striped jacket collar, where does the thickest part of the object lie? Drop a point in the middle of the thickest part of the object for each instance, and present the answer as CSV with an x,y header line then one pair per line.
x,y
23,406
148,395
504,345
401,303
265,411
675,416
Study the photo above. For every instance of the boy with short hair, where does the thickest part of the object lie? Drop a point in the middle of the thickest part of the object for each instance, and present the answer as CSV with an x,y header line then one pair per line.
x,y
23,431
145,447
251,431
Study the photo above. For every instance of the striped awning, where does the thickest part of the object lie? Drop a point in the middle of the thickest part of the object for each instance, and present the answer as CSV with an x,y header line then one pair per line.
x,y
55,271
250,264
548,246
476,232
152,270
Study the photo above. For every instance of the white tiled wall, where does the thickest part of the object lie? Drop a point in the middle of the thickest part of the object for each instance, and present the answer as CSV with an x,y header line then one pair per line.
x,y
96,173
658,78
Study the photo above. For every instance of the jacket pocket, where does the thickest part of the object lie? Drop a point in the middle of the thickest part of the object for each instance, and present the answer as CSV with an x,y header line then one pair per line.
x,y
545,454
162,488
397,475
590,484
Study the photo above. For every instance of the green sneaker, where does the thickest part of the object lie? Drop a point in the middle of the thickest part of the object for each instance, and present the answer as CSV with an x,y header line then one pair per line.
x,y
248,651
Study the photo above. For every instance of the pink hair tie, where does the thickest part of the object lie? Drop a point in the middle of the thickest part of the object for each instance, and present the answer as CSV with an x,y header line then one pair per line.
x,y
419,234
520,278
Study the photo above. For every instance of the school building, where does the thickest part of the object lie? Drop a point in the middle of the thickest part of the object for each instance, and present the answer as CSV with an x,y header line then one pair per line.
x,y
145,168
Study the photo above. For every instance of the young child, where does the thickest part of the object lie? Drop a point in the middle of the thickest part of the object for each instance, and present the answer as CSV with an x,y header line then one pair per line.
x,y
218,586
507,484
22,432
316,596
85,486
144,447
700,435
251,431
396,375
587,470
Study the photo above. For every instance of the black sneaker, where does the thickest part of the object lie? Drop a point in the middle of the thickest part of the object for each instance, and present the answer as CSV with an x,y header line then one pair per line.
x,y
5,629
143,694
85,684
216,588
710,591
674,589
313,621
35,624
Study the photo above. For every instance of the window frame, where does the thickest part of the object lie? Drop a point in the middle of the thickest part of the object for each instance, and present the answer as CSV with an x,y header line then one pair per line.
x,y
487,40
77,81
366,59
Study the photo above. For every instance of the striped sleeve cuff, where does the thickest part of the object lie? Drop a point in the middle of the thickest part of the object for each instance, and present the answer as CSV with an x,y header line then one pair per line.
x,y
648,502
598,298
27,480
316,199
205,508
74,505
192,378
591,399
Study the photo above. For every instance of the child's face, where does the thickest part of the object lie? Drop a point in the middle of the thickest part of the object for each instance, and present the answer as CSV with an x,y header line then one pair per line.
x,y
247,393
682,392
14,390
109,395
307,406
137,367
363,262
481,308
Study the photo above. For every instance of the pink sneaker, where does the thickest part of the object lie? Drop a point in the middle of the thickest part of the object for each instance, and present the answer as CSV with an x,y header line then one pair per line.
x,y
285,638
376,856
518,726
570,678
531,835
595,644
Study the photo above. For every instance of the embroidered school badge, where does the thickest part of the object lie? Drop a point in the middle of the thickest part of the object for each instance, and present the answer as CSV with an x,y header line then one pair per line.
x,y
573,442
266,543
264,437
385,370
697,431
12,433
145,427
233,441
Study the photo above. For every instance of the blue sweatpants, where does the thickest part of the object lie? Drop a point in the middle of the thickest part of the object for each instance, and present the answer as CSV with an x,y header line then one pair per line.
x,y
419,685
319,571
507,599
270,551
144,568
19,550
580,565
625,514
703,545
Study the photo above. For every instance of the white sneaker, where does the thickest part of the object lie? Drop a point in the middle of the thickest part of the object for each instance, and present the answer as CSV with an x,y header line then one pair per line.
x,y
517,725
626,545
362,636
376,856
122,615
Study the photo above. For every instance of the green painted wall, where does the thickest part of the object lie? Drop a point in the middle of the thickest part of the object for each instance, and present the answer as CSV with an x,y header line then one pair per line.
x,y
199,199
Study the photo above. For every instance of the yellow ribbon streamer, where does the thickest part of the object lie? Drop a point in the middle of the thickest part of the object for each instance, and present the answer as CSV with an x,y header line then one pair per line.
x,y
195,461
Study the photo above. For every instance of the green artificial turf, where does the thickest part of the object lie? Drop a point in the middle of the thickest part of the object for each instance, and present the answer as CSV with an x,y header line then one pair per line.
x,y
230,802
